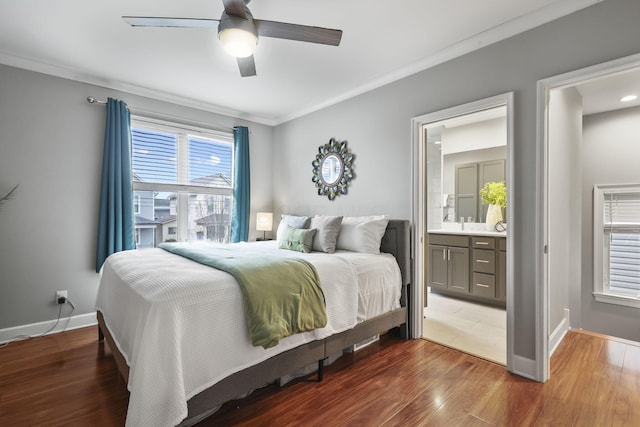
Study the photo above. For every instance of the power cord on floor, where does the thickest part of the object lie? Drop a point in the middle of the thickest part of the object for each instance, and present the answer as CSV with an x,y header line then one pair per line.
x,y
26,337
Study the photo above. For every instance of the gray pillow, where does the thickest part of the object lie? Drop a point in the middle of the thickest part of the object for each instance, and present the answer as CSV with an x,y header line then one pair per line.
x,y
327,235
293,222
297,239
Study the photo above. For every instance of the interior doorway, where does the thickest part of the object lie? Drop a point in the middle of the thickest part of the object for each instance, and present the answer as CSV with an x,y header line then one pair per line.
x,y
584,145
463,146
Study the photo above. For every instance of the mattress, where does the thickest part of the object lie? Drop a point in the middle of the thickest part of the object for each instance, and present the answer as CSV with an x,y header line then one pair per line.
x,y
185,320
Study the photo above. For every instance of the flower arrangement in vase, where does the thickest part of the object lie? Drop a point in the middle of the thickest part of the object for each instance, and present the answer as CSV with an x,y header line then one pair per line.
x,y
494,194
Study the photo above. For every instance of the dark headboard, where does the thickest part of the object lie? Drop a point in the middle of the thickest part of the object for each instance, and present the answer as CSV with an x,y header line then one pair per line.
x,y
397,242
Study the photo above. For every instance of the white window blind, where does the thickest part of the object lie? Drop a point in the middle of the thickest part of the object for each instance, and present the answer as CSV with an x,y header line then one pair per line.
x,y
621,240
622,211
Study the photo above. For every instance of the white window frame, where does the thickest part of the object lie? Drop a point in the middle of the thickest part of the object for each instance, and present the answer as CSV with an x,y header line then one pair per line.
x,y
601,290
183,189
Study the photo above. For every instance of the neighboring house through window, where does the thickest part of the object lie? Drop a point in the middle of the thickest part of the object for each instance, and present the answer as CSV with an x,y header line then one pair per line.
x,y
136,204
182,181
617,244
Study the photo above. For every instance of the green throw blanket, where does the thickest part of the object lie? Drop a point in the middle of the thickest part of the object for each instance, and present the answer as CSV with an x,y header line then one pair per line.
x,y
282,296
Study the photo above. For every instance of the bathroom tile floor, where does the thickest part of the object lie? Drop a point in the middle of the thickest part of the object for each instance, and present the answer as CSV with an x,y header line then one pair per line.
x,y
473,328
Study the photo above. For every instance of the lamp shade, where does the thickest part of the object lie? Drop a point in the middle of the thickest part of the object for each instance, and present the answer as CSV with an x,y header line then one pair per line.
x,y
264,222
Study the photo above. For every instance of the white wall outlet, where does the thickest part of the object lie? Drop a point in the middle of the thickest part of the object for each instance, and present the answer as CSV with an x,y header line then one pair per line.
x,y
61,295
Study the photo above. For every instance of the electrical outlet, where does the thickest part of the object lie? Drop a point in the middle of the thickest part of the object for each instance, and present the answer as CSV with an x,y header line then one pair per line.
x,y
61,297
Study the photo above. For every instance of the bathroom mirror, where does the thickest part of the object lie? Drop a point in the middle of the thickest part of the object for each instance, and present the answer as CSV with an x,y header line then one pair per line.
x,y
465,152
333,168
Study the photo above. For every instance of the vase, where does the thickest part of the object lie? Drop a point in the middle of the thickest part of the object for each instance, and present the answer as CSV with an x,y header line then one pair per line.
x,y
494,214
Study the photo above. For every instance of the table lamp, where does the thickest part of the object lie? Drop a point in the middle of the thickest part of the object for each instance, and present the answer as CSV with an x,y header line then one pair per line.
x,y
264,223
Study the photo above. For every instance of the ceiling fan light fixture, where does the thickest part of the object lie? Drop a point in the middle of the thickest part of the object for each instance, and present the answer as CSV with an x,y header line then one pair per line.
x,y
237,42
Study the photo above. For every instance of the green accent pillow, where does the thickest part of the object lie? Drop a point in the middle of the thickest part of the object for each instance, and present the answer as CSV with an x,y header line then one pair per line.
x,y
297,239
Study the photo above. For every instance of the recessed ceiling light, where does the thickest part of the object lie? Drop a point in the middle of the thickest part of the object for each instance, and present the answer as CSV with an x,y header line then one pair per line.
x,y
437,142
628,98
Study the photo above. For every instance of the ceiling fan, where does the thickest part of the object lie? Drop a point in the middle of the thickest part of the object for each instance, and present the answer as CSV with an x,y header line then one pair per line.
x,y
238,31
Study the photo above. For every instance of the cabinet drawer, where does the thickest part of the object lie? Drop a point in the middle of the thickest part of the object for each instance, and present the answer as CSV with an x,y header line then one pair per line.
x,y
484,285
449,240
484,261
483,242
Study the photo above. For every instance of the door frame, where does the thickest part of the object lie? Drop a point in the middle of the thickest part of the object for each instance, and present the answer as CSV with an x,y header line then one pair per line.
x,y
544,87
419,206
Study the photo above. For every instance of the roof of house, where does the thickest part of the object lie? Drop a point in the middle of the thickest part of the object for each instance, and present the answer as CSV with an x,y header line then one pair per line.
x,y
140,220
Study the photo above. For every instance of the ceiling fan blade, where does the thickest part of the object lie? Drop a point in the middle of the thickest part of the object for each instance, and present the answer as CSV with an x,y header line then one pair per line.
x,y
247,66
303,33
235,8
147,21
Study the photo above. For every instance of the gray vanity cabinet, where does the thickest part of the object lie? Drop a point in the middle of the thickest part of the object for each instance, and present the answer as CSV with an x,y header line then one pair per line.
x,y
448,263
501,291
472,267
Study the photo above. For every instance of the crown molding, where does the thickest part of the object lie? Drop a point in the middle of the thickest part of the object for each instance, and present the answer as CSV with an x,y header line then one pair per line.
x,y
480,40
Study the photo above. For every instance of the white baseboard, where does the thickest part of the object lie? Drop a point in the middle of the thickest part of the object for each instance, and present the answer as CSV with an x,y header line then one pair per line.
x,y
524,367
559,332
37,329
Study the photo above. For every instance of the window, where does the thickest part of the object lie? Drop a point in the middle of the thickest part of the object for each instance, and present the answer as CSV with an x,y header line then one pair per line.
x,y
182,181
617,244
136,204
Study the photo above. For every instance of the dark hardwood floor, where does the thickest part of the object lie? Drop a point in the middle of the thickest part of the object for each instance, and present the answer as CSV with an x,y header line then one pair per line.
x,y
70,379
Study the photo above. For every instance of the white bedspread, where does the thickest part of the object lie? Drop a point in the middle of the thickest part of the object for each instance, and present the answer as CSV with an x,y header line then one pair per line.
x,y
180,325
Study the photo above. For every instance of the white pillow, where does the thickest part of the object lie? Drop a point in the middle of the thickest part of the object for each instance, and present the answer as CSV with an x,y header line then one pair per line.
x,y
293,222
362,233
327,235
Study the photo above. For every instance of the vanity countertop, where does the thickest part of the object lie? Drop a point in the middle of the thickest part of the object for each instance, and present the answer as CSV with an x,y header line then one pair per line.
x,y
486,233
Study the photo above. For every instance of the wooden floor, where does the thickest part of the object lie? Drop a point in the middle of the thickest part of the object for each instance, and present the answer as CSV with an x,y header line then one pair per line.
x,y
71,379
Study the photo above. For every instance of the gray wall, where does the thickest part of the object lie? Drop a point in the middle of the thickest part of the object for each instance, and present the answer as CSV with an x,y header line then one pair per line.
x,y
377,125
610,153
565,218
51,145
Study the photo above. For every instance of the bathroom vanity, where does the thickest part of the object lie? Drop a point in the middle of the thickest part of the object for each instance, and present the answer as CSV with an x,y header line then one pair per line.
x,y
468,264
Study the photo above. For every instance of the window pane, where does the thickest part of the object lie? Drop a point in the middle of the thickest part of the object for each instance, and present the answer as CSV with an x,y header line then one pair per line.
x,y
210,162
145,223
624,262
166,209
154,156
210,217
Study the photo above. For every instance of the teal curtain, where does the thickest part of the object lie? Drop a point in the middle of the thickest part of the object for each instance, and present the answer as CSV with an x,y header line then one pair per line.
x,y
242,185
116,221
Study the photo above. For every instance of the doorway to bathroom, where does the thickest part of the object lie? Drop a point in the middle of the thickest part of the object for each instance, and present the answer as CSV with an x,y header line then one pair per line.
x,y
462,260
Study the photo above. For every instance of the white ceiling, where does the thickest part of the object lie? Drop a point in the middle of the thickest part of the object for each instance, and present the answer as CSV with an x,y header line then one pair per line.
x,y
603,94
382,42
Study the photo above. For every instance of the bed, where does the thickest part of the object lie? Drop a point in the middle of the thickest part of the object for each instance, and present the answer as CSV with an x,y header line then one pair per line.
x,y
180,364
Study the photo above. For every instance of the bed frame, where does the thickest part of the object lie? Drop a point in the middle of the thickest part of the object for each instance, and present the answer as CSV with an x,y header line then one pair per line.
x,y
396,241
